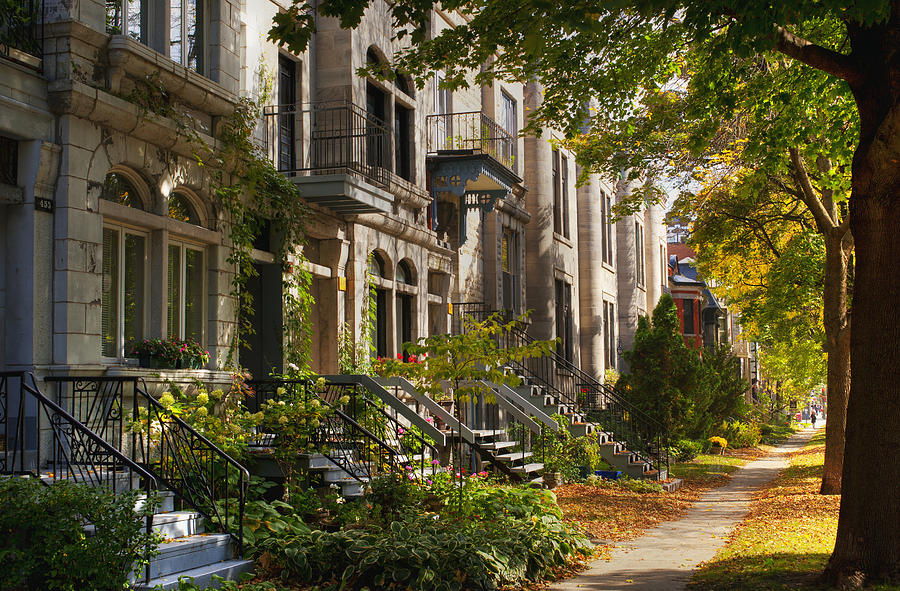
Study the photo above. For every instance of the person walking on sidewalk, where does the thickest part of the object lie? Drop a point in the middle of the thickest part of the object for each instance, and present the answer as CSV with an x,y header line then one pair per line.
x,y
812,417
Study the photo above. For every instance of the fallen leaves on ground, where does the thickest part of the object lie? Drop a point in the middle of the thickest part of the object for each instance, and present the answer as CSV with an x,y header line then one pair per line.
x,y
613,513
787,536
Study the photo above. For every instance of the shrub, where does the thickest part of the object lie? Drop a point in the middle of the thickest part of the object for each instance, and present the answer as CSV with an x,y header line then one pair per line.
x,y
44,545
741,434
640,485
424,553
685,450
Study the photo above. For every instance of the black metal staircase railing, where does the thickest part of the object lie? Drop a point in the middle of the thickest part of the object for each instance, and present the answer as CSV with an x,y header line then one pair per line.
x,y
198,472
573,386
71,450
359,436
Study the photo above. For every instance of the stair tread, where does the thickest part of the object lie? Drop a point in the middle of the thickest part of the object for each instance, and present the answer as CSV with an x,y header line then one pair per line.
x,y
528,468
495,445
488,432
201,572
516,455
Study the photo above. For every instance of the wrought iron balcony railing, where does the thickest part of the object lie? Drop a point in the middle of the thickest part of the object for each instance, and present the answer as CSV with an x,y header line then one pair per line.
x,y
328,138
21,31
473,131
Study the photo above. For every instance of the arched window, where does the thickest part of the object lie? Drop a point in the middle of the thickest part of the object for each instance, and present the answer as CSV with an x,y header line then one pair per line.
x,y
403,84
404,273
181,209
119,189
376,265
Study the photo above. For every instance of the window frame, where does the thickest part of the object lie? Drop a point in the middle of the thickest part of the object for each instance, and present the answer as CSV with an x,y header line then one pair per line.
x,y
564,193
154,28
184,246
609,328
122,229
557,198
639,277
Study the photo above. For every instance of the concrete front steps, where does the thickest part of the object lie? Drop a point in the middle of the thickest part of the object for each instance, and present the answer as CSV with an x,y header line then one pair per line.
x,y
188,551
520,462
615,454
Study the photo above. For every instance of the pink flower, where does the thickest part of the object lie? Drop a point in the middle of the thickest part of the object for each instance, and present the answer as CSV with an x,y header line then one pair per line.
x,y
400,431
429,482
411,477
436,462
400,356
429,419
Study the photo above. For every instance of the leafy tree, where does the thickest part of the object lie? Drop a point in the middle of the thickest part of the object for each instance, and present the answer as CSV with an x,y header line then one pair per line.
x,y
670,382
612,55
664,374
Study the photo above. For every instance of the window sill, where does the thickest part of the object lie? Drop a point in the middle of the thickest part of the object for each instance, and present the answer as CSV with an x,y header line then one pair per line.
x,y
159,380
562,239
608,267
127,56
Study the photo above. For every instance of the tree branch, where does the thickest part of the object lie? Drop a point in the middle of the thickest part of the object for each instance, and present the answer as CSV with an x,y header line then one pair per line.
x,y
820,214
831,62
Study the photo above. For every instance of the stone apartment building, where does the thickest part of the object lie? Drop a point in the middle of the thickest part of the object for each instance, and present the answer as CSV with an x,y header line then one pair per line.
x,y
109,229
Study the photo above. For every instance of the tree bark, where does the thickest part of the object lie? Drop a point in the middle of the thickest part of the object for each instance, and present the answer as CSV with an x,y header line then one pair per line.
x,y
836,319
867,549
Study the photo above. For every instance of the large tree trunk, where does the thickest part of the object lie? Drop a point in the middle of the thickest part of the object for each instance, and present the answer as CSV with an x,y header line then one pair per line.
x,y
837,334
868,538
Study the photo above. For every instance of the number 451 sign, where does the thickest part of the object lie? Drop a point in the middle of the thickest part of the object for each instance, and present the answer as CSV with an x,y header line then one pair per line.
x,y
41,204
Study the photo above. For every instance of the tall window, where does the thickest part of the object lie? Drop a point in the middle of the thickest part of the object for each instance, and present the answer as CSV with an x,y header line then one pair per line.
x,y
184,301
403,142
557,196
173,28
443,129
606,227
509,122
287,97
405,311
564,192
663,267
564,320
687,307
509,265
609,333
378,330
376,125
639,254
122,303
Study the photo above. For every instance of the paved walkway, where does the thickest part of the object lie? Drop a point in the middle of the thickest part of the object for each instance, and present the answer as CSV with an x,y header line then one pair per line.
x,y
664,558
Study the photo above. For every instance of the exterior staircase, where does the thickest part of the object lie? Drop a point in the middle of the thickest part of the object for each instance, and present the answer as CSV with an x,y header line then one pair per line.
x,y
189,551
630,440
81,435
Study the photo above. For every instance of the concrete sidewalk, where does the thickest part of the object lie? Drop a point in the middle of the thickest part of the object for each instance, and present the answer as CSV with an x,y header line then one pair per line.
x,y
664,558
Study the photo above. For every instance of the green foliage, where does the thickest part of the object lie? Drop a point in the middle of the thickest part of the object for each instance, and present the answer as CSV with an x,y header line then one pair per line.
x,y
423,553
394,493
466,360
665,375
43,543
218,415
740,433
640,485
685,450
669,382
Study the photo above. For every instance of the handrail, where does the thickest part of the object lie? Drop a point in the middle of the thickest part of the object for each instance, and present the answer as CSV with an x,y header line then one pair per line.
x,y
334,431
430,405
628,423
517,399
375,388
186,461
519,414
82,462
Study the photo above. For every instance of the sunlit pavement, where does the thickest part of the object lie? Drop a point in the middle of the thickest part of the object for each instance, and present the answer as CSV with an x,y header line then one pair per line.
x,y
664,558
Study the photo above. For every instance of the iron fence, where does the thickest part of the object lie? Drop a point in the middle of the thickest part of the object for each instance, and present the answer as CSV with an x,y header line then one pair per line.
x,y
120,412
22,28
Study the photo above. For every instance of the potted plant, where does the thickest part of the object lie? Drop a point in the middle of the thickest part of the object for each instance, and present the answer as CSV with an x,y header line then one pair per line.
x,y
719,443
154,353
191,354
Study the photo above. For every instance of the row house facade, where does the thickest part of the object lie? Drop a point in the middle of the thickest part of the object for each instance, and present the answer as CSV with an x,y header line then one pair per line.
x,y
110,230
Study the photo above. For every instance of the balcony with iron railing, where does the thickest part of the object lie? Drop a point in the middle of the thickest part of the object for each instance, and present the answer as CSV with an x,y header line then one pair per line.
x,y
471,133
342,157
21,32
